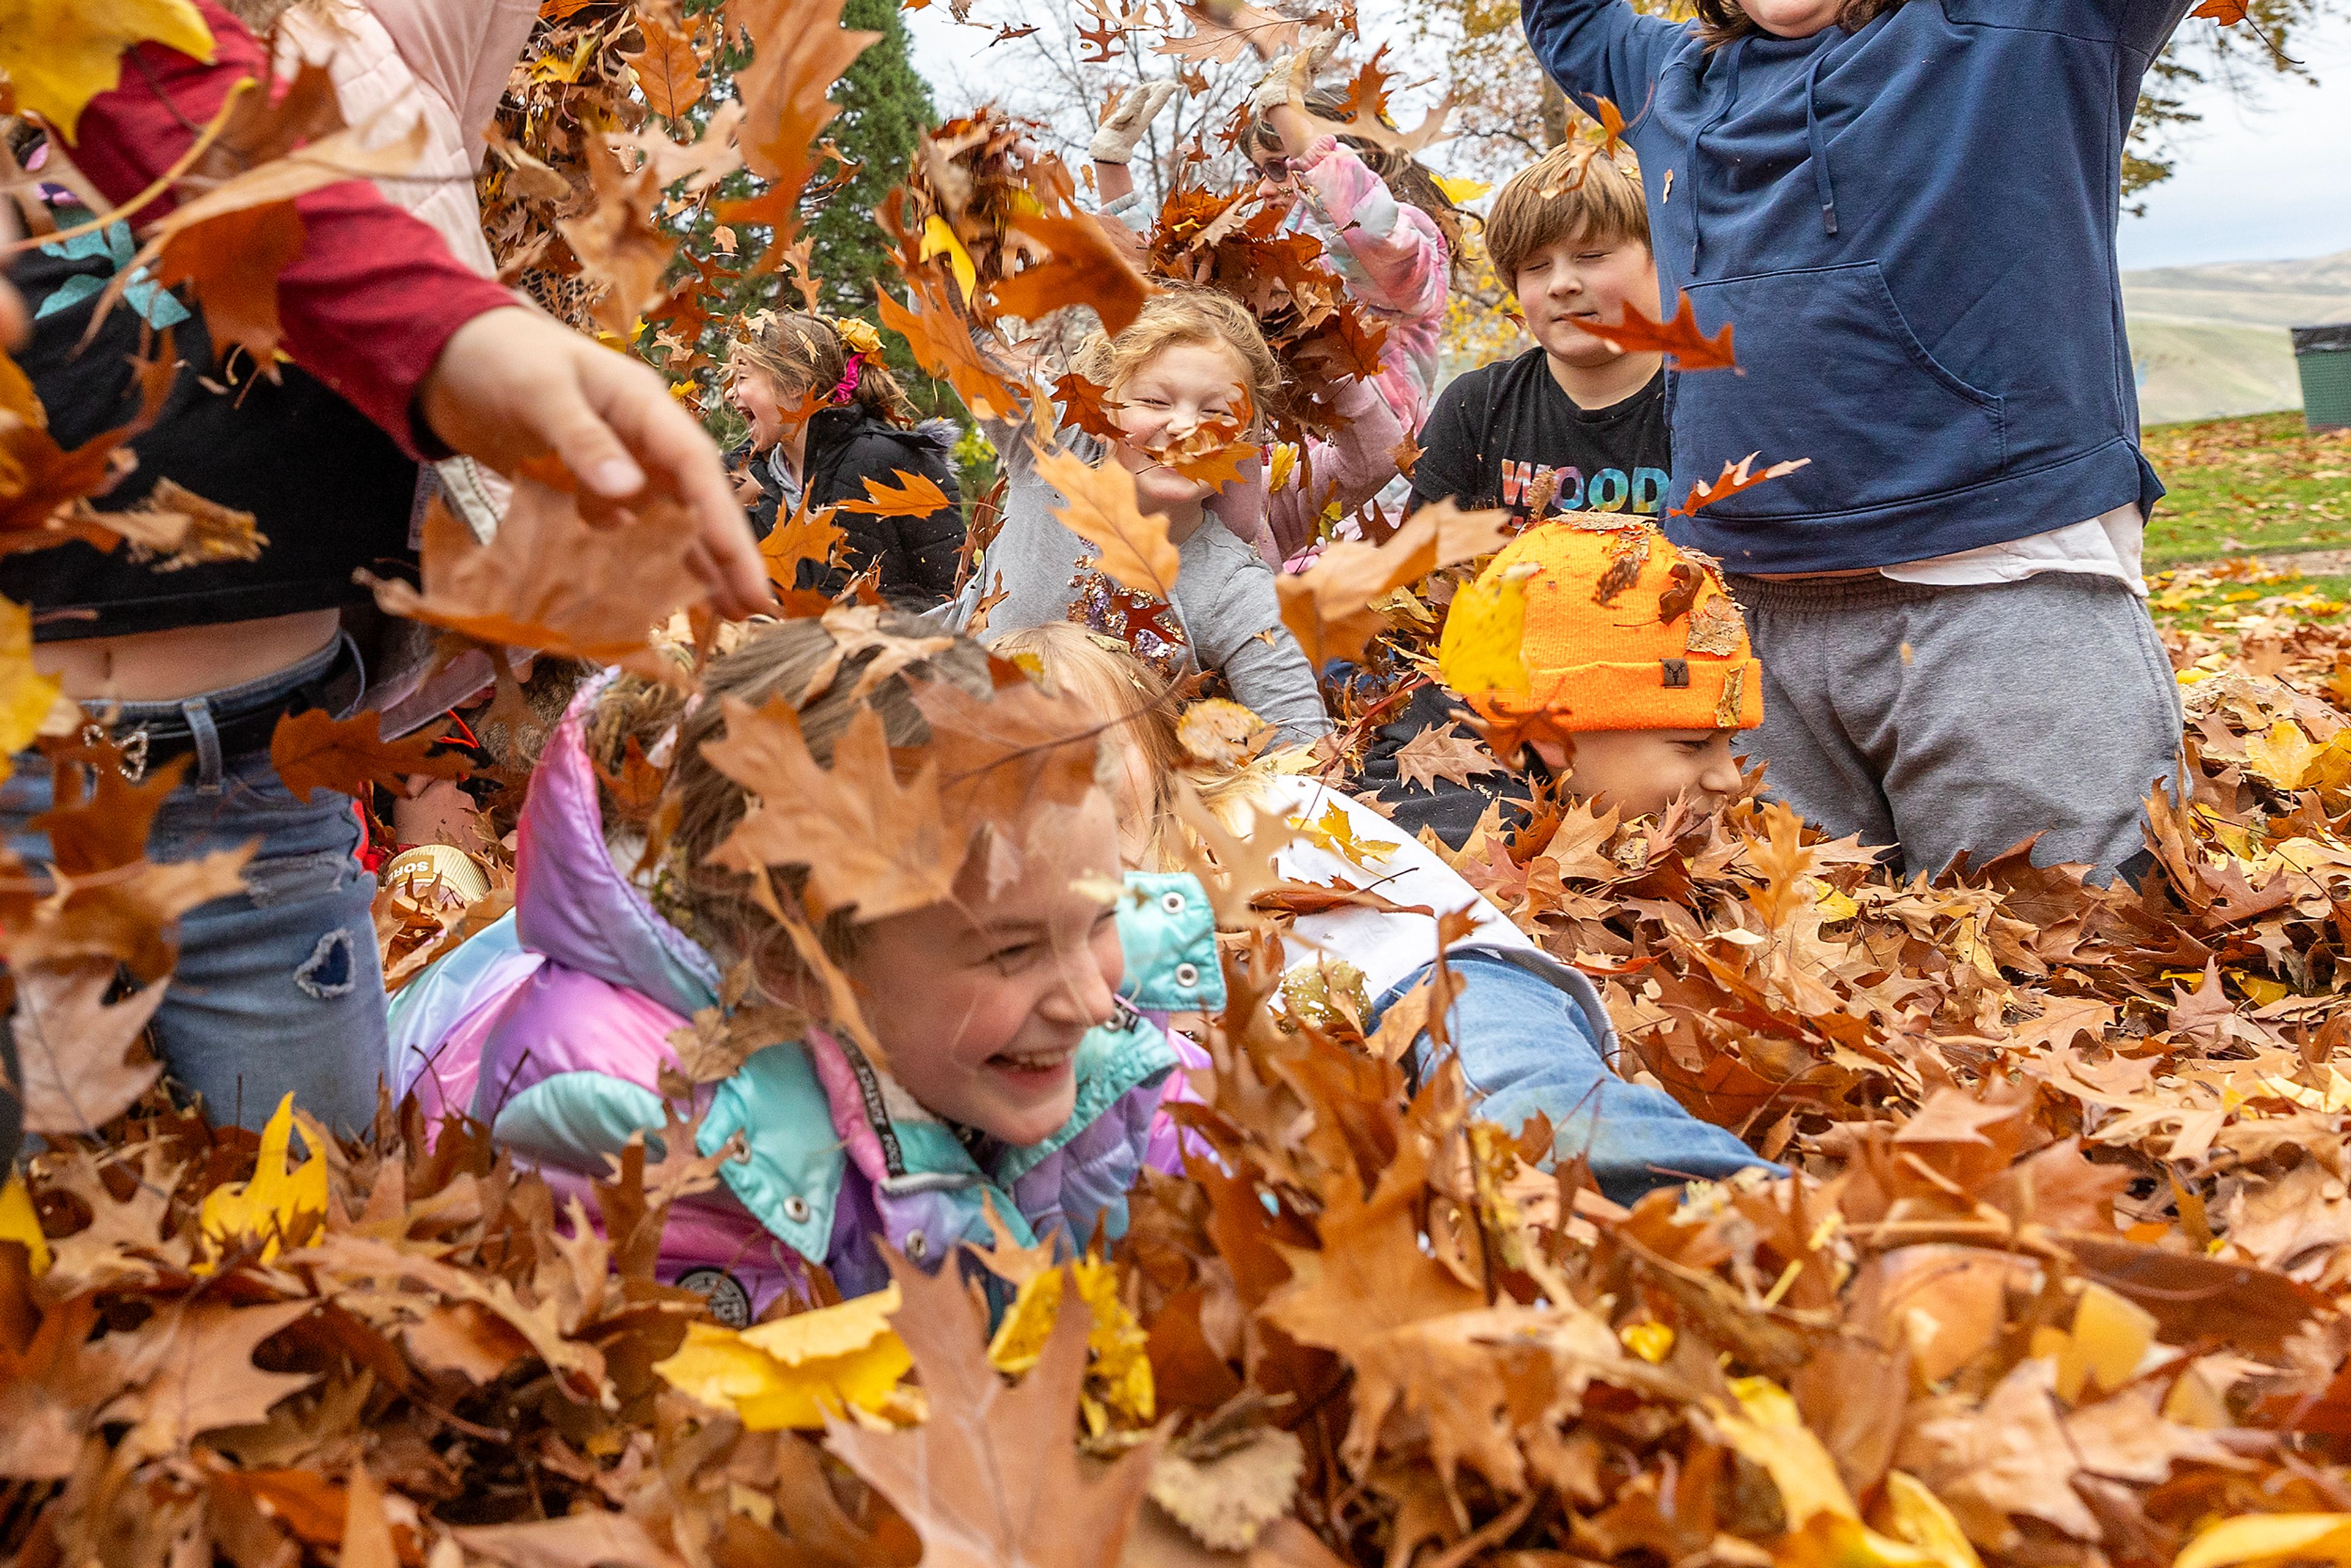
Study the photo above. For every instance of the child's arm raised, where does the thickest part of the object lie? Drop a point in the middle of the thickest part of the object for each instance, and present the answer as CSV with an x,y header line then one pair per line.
x,y
1349,468
1600,48
1394,258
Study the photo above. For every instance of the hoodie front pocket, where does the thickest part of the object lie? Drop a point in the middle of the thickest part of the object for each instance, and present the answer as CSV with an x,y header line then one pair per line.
x,y
1833,373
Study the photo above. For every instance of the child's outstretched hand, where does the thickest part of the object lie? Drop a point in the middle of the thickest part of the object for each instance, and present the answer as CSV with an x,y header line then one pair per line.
x,y
511,386
1114,141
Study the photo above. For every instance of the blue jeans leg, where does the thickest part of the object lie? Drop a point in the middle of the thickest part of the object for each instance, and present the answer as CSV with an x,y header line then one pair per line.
x,y
1525,1047
279,988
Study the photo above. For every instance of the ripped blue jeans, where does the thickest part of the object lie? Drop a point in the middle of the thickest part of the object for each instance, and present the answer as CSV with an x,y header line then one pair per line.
x,y
279,988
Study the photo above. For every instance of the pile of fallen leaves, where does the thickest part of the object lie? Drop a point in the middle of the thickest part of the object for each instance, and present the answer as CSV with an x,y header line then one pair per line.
x,y
2057,1279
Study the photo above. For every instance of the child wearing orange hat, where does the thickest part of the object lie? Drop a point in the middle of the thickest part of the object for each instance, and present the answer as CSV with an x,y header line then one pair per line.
x,y
1620,660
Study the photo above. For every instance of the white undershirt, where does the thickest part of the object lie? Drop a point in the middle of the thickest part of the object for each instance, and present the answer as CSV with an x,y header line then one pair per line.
x,y
2108,545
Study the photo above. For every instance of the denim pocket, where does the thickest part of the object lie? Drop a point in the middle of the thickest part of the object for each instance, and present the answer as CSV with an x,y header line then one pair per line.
x,y
1834,374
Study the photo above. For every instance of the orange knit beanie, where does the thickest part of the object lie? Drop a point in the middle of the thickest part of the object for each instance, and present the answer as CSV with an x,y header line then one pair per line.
x,y
1599,622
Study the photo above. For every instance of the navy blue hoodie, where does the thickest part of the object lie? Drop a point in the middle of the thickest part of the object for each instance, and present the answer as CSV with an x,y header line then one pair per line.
x,y
1912,230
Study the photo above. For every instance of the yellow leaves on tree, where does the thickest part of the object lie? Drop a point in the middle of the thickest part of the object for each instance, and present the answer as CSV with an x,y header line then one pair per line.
x,y
990,1477
799,49
798,1371
313,750
868,841
275,1204
58,55
1100,508
549,580
1330,606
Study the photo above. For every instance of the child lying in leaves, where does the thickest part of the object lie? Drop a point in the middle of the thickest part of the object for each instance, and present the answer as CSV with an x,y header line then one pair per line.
x,y
984,1045
1634,687
1531,1034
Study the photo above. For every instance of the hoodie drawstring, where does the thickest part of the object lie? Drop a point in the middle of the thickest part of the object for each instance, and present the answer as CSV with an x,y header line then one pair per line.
x,y
1820,147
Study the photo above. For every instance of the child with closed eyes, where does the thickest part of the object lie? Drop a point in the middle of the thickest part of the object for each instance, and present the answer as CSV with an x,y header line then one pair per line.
x,y
1192,359
1008,990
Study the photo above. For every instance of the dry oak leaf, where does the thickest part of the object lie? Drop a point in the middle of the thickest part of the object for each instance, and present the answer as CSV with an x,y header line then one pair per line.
x,y
1226,1501
273,1203
917,496
548,580
1677,336
619,245
806,535
128,914
175,524
799,49
2228,13
942,343
1221,733
40,481
1084,267
367,1533
991,1477
191,1371
1735,477
71,1046
869,842
48,1390
1131,549
313,750
58,55
576,1540
230,243
1442,753
669,67
1329,605
1220,33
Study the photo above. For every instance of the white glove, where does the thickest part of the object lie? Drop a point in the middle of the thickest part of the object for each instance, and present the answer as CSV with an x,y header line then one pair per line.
x,y
1114,141
1273,89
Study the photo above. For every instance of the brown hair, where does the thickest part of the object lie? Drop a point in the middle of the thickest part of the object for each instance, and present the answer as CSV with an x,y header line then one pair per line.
x,y
802,353
712,904
1720,21
1141,709
1185,313
1571,193
1409,180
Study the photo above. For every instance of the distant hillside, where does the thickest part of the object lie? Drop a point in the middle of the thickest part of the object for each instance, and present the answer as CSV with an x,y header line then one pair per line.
x,y
2210,341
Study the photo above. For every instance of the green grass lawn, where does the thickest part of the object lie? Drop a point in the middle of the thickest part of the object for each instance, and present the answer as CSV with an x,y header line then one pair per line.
x,y
2259,484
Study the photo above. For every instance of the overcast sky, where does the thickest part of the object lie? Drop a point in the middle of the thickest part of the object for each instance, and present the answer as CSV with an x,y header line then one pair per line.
x,y
2263,183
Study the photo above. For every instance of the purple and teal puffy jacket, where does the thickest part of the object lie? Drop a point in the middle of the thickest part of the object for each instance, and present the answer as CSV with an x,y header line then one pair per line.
x,y
551,1026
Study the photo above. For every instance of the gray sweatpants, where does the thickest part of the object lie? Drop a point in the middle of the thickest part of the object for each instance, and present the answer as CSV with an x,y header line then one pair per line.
x,y
1950,720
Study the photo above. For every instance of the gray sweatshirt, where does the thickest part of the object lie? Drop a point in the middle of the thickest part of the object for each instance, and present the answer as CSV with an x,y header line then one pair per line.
x,y
1224,599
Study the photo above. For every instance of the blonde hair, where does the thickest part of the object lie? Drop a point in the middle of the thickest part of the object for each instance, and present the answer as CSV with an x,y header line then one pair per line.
x,y
1140,708
712,904
1570,193
803,354
1178,314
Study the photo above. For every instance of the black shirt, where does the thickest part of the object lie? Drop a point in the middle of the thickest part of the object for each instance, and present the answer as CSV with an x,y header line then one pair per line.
x,y
1502,435
846,446
330,490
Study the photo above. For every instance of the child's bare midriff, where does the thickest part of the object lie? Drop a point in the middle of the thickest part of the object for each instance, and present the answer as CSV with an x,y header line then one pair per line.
x,y
156,666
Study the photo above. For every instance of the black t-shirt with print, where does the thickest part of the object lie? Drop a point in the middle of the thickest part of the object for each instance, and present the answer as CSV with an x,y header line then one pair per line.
x,y
1502,434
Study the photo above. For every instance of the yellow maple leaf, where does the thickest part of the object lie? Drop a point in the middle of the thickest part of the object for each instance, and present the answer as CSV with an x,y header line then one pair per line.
x,y
61,54
1334,833
19,1222
2109,1336
1118,1369
269,1204
1479,651
2289,759
795,1369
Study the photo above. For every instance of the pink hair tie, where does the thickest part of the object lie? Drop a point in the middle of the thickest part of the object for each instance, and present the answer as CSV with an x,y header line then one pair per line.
x,y
846,388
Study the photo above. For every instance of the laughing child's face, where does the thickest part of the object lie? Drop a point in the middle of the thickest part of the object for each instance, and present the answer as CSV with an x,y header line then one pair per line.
x,y
1584,279
772,411
1640,771
1173,393
980,1003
